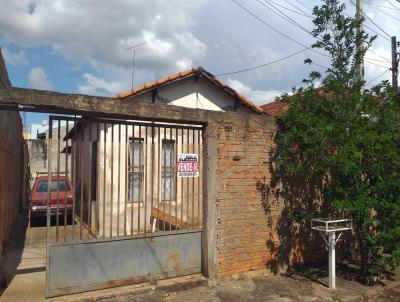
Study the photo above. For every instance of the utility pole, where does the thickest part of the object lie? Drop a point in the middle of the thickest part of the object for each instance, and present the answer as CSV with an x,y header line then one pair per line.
x,y
395,64
359,49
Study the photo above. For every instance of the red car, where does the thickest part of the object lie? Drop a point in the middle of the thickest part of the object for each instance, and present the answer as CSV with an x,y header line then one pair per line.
x,y
40,195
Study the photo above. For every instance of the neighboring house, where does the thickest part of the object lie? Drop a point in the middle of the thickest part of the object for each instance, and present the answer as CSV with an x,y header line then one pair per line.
x,y
127,169
193,88
275,108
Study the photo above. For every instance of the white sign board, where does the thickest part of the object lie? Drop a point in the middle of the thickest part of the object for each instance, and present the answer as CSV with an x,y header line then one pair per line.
x,y
188,165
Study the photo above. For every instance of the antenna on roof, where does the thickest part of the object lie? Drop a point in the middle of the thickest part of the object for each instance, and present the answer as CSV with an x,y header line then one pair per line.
x,y
133,58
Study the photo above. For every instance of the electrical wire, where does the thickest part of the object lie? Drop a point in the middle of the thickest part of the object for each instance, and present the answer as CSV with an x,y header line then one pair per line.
x,y
376,78
291,10
366,16
382,57
281,14
372,63
263,65
382,11
299,7
276,30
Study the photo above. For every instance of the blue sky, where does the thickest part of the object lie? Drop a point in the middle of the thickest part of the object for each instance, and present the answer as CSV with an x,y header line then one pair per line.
x,y
79,46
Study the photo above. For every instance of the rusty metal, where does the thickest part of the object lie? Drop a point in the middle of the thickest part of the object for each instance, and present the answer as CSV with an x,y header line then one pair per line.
x,y
163,257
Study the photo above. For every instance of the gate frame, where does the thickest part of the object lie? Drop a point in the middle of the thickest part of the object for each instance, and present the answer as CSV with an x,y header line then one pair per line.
x,y
152,125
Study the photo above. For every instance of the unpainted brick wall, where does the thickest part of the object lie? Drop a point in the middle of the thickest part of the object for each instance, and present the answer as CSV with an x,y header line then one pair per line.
x,y
243,231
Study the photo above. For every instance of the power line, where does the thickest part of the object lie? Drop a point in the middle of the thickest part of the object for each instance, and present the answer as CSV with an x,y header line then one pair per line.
x,y
376,60
383,12
276,30
366,16
372,63
382,57
263,65
287,18
283,15
299,7
376,78
291,10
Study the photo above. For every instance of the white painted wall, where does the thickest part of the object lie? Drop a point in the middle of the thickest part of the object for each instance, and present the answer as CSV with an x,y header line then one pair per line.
x,y
200,94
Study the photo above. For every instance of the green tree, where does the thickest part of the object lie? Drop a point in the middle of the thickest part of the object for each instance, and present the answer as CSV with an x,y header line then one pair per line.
x,y
344,145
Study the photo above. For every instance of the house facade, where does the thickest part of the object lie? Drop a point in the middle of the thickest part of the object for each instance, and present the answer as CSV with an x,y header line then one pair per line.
x,y
126,174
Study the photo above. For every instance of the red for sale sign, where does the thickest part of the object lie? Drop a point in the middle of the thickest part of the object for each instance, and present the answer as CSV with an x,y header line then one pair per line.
x,y
188,165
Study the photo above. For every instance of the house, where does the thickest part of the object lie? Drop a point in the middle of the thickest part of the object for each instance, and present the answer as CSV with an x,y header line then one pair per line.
x,y
135,177
194,88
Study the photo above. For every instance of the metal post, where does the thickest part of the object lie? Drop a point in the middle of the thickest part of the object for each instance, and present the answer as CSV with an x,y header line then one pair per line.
x,y
394,64
332,260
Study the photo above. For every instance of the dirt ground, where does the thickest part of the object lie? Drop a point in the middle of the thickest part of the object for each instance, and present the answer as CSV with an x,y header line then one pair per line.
x,y
278,288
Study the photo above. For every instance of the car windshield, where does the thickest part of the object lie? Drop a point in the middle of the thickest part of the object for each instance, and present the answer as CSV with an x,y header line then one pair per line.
x,y
62,186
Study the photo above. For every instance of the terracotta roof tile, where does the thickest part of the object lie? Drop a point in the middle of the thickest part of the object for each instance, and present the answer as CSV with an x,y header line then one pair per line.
x,y
184,74
275,108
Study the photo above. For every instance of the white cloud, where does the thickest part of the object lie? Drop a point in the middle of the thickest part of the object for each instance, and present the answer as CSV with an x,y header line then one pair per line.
x,y
259,97
101,30
99,86
14,58
37,79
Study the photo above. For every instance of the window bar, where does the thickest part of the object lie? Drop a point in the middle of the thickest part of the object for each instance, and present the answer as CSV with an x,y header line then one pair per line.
x,y
140,177
97,177
181,178
104,178
164,174
81,181
145,143
66,178
199,222
131,172
126,177
193,182
119,176
158,175
75,144
170,176
187,184
48,217
112,180
152,178
58,182
89,195
175,179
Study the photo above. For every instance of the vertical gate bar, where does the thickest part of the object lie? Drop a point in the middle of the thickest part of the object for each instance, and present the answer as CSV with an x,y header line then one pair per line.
x,y
126,177
58,182
193,150
140,177
66,206
182,178
131,171
198,179
176,178
104,178
145,143
187,183
112,180
152,178
81,187
163,144
119,176
170,176
75,175
158,175
97,177
49,152
89,195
